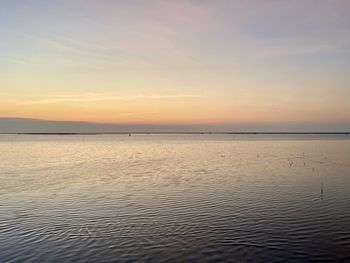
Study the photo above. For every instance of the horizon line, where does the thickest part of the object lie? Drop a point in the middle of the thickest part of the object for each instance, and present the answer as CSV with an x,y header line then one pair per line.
x,y
6,118
176,132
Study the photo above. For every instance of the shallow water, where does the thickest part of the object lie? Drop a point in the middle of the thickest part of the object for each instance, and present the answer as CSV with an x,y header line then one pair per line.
x,y
167,198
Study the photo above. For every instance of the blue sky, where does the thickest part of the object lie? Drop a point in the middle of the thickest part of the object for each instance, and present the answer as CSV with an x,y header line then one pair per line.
x,y
177,62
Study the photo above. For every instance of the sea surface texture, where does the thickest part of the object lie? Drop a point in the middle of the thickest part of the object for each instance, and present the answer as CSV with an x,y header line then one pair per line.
x,y
174,198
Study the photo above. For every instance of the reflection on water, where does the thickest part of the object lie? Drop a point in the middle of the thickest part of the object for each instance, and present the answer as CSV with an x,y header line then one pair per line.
x,y
172,198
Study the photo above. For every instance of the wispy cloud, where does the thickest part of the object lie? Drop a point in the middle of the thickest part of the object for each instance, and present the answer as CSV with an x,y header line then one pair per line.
x,y
138,113
92,97
14,60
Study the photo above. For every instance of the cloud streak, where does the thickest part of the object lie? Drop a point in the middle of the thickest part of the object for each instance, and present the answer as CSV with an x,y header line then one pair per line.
x,y
95,97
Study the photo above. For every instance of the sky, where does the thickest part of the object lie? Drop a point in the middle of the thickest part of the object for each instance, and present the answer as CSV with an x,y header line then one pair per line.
x,y
263,63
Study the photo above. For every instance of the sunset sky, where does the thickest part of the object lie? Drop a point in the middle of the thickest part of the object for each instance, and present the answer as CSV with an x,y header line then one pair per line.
x,y
178,62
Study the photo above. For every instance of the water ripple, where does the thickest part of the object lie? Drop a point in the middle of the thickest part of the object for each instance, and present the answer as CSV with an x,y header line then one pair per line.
x,y
166,199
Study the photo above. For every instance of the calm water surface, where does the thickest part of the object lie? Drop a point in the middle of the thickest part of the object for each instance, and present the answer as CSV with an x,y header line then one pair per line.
x,y
174,198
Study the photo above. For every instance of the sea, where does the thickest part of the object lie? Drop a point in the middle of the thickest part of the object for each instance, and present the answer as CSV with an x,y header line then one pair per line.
x,y
175,198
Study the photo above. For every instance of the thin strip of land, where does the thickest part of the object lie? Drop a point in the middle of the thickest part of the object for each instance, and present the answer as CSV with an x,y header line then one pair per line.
x,y
176,132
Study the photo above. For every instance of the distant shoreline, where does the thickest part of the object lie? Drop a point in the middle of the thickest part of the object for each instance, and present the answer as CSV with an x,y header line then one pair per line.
x,y
181,133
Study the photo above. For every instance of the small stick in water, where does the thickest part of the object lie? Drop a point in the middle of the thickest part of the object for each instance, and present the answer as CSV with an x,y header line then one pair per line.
x,y
321,188
291,163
